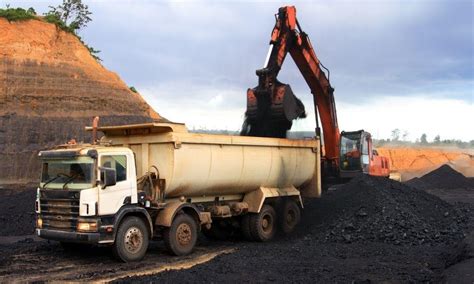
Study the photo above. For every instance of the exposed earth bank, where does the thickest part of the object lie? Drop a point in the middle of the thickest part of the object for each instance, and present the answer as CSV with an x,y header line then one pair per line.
x,y
413,162
50,88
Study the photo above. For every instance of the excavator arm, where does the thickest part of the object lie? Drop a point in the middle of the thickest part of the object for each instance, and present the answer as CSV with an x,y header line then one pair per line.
x,y
271,106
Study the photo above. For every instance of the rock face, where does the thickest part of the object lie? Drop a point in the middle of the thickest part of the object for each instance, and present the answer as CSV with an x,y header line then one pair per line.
x,y
50,88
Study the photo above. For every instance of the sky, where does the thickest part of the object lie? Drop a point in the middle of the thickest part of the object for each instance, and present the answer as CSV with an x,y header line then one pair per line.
x,y
393,64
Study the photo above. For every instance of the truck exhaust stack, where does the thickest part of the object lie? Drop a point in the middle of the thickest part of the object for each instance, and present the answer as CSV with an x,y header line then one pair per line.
x,y
95,124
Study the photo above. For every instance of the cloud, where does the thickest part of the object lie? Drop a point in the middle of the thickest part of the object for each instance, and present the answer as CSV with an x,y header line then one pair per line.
x,y
201,56
420,114
204,107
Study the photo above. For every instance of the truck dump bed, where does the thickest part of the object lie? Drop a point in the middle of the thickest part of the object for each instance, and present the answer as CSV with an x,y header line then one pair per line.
x,y
200,165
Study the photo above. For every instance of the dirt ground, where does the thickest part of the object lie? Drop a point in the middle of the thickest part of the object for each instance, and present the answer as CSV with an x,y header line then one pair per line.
x,y
352,234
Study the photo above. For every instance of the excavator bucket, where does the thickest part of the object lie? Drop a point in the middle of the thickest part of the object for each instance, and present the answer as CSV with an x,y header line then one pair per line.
x,y
270,112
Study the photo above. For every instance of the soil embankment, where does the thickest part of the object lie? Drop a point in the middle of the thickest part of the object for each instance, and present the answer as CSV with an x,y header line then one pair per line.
x,y
417,161
50,88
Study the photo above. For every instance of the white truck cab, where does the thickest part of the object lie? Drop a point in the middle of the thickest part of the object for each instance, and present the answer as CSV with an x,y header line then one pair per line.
x,y
80,183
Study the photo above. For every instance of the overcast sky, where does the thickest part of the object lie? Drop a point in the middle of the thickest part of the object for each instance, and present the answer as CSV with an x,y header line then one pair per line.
x,y
394,64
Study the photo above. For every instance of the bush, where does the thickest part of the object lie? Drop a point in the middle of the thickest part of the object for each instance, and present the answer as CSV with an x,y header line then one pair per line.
x,y
55,16
54,19
17,14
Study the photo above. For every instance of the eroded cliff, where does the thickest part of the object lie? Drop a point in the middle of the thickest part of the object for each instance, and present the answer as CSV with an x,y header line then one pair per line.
x,y
50,88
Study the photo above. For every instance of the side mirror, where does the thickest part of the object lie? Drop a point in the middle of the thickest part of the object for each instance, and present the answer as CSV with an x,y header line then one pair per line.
x,y
108,177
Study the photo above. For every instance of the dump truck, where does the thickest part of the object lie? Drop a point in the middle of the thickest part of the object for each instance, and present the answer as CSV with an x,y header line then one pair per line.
x,y
159,181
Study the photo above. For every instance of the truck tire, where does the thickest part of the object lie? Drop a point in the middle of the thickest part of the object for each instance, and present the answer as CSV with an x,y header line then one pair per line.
x,y
245,227
289,217
263,225
131,241
180,238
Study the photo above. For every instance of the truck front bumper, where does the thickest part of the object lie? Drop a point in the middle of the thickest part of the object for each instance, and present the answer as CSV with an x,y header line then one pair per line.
x,y
91,238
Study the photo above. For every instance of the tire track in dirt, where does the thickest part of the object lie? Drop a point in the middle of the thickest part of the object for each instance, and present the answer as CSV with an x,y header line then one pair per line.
x,y
48,262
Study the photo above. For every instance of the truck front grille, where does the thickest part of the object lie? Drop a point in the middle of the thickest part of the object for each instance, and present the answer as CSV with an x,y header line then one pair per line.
x,y
59,209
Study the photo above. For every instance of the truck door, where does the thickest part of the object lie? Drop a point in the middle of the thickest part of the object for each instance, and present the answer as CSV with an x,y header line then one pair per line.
x,y
112,198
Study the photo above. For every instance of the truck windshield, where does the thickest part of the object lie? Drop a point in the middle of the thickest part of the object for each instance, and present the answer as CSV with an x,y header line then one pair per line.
x,y
350,152
72,174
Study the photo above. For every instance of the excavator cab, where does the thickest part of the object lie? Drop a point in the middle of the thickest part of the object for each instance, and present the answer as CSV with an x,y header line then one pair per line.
x,y
358,155
354,155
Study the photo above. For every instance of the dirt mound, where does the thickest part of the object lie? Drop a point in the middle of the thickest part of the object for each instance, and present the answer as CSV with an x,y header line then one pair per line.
x,y
378,209
17,211
50,88
444,177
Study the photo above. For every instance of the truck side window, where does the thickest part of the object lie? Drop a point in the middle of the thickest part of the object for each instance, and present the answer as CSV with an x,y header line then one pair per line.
x,y
117,162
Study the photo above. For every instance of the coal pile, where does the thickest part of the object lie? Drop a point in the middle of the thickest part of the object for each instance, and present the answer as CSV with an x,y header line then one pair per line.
x,y
369,209
443,177
369,230
17,211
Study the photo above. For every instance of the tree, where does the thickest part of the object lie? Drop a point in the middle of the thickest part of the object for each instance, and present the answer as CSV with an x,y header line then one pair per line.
x,y
405,135
396,134
437,139
71,16
423,139
73,13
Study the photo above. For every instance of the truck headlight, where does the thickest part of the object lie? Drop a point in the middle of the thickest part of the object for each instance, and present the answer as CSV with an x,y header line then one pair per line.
x,y
87,226
39,223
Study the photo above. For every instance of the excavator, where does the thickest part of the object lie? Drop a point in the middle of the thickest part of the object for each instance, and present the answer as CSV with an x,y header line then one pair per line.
x,y
272,105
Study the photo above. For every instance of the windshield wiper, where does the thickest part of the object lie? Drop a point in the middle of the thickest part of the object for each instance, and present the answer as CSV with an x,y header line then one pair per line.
x,y
69,180
50,180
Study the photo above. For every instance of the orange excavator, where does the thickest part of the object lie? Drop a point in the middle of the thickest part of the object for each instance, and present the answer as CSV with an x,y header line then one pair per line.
x,y
272,106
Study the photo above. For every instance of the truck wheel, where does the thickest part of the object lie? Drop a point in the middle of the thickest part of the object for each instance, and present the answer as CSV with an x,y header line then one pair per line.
x,y
131,241
181,237
245,227
263,225
290,216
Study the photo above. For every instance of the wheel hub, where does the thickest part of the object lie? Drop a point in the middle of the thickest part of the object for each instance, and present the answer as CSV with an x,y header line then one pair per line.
x,y
267,223
133,240
184,234
290,217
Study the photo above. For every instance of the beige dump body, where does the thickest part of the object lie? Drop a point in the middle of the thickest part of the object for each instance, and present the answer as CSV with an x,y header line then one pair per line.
x,y
204,165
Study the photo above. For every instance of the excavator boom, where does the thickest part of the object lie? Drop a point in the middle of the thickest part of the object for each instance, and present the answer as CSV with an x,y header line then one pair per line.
x,y
272,106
